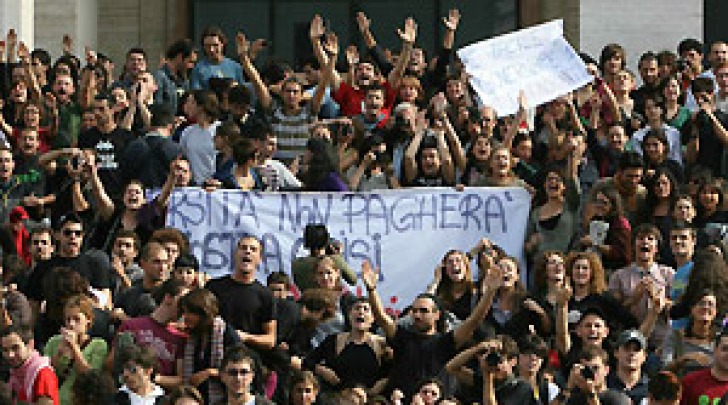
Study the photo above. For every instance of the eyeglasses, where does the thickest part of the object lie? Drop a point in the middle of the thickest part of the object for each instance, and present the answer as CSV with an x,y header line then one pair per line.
x,y
75,232
238,372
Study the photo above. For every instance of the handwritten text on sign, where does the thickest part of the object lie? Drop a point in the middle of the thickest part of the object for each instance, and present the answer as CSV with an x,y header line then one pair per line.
x,y
537,60
403,232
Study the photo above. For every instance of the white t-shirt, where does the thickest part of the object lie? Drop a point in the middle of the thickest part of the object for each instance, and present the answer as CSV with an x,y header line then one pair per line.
x,y
673,139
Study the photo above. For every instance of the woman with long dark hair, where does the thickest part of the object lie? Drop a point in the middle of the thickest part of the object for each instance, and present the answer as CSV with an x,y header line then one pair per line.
x,y
712,217
322,167
553,222
692,347
453,284
616,249
209,337
662,193
513,312
656,154
477,160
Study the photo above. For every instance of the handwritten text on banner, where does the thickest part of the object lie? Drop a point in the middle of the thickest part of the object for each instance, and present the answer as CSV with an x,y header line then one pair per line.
x,y
537,60
403,232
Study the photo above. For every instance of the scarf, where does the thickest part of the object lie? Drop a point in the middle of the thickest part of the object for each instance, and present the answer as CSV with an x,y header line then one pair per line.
x,y
21,239
217,349
23,378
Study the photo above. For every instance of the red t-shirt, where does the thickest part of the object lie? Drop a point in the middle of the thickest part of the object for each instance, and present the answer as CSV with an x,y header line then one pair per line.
x,y
46,385
44,139
351,100
701,384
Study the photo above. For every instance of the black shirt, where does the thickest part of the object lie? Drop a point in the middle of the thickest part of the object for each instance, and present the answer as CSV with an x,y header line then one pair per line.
x,y
511,391
245,307
93,265
109,149
418,357
608,397
636,394
710,151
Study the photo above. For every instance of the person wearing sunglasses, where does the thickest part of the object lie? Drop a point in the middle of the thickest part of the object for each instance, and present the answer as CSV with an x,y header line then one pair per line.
x,y
93,266
237,372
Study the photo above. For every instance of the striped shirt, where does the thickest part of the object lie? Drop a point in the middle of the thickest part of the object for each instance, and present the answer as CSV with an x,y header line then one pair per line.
x,y
292,131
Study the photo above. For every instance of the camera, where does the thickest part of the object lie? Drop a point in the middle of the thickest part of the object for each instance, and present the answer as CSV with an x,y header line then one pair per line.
x,y
493,358
76,162
400,122
587,373
315,237
682,64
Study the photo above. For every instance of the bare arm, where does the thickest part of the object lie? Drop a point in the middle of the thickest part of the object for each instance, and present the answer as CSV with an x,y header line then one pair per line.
x,y
457,365
104,203
370,281
418,125
316,31
718,128
458,154
128,120
451,25
612,103
365,29
355,178
448,169
332,50
520,117
260,88
408,36
492,282
267,340
563,339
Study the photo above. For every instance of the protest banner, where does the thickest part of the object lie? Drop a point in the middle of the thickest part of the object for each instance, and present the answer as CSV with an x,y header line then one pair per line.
x,y
405,233
537,60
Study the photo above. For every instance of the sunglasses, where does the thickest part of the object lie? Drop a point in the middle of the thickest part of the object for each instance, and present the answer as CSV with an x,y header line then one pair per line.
x,y
40,242
238,372
69,232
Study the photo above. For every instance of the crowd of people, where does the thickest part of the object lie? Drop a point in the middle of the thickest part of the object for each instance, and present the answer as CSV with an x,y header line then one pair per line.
x,y
622,298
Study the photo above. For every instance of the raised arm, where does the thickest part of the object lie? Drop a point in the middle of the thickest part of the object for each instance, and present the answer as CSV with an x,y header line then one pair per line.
x,y
370,278
448,168
410,154
491,283
612,103
12,43
375,51
316,31
104,203
33,87
260,88
521,116
563,339
456,148
332,52
408,37
451,25
355,178
574,116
